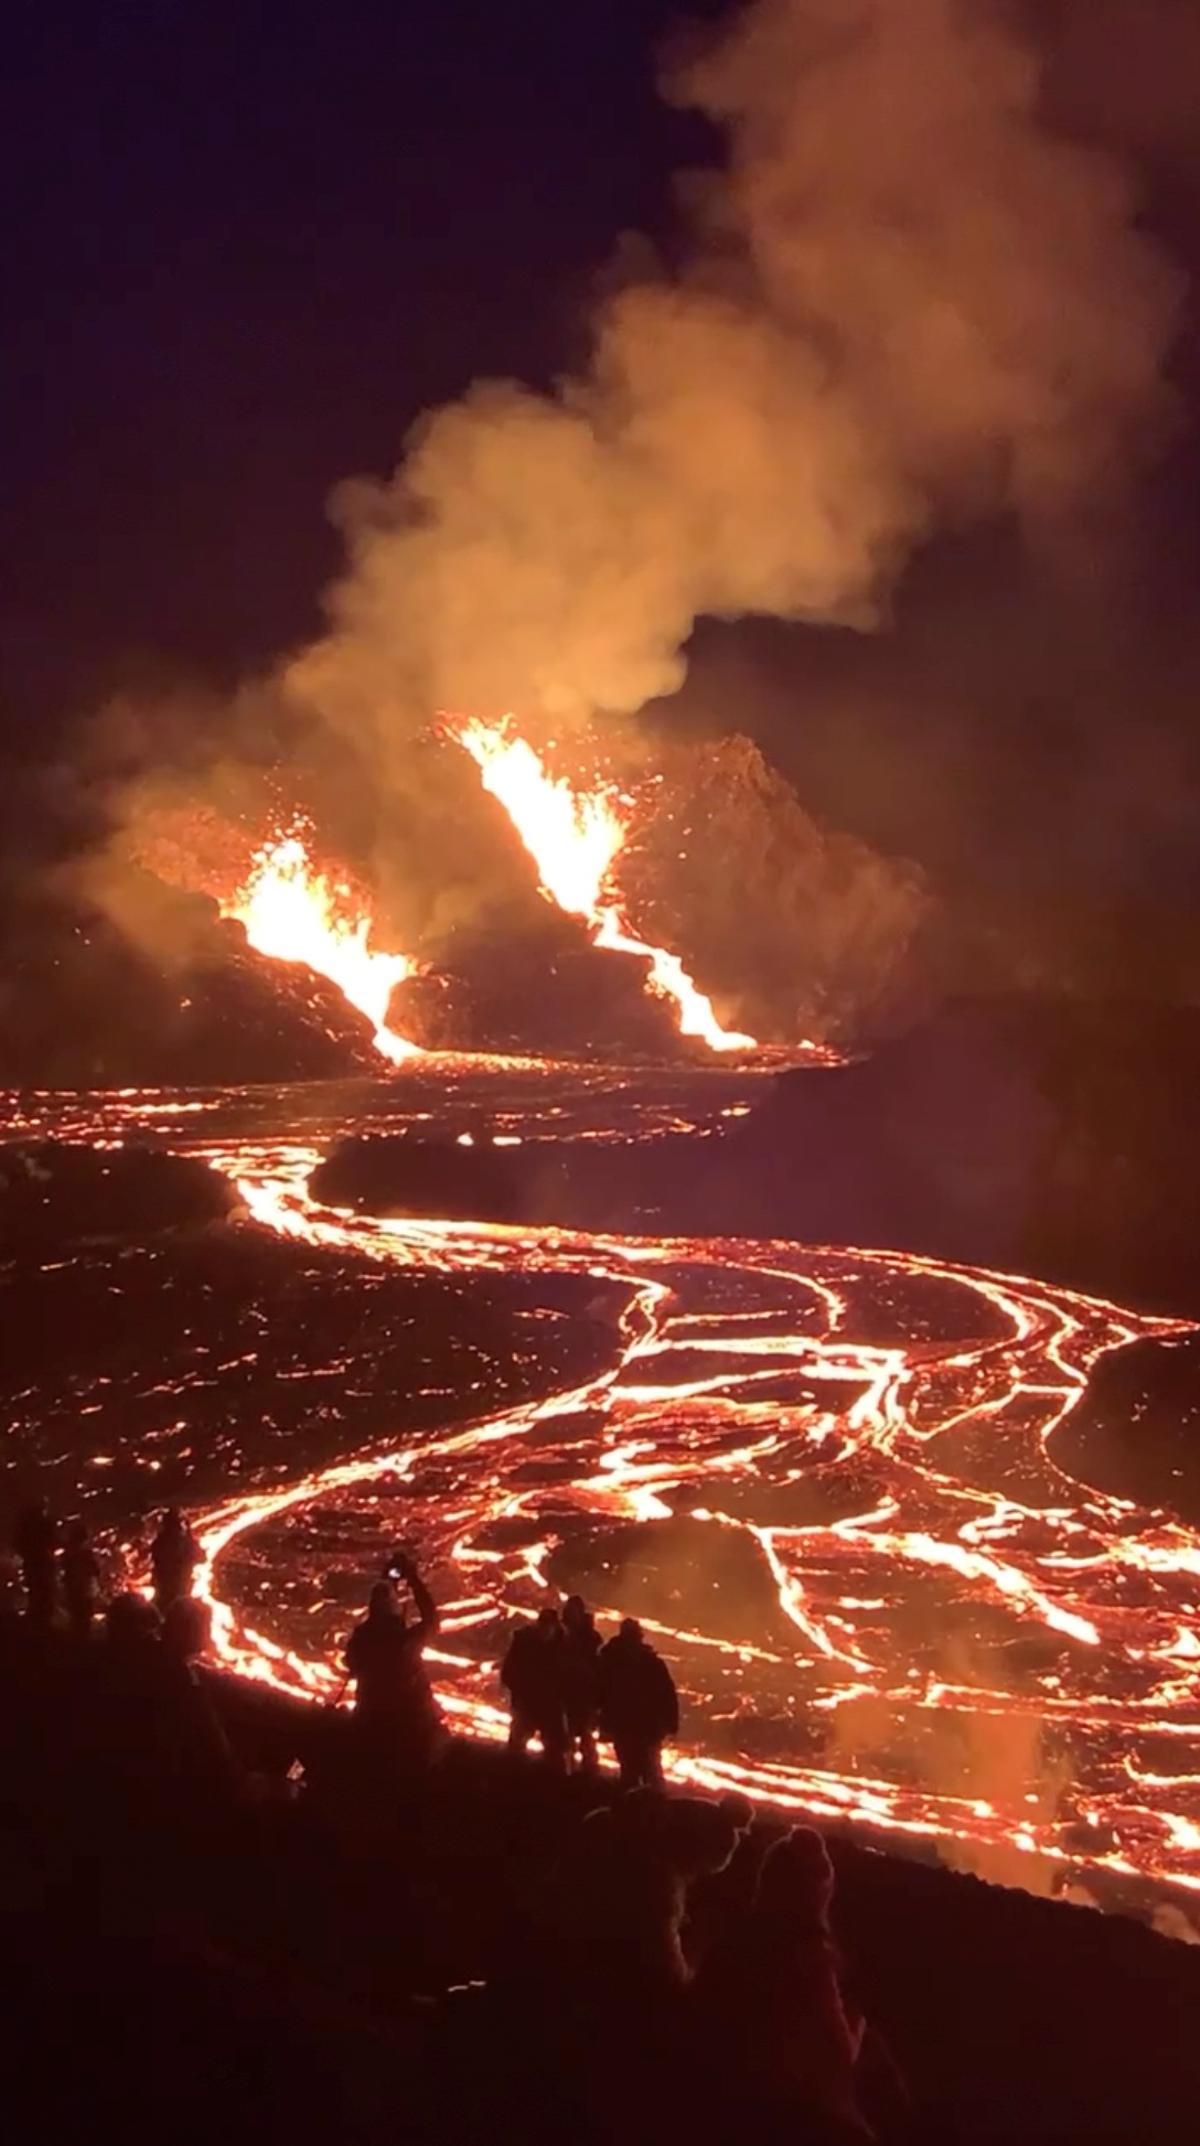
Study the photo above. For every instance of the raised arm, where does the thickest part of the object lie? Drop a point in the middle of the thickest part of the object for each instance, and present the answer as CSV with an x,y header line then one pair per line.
x,y
427,1611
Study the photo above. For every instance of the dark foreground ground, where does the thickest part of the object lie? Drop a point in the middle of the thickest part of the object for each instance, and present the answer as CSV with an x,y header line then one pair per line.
x,y
297,1969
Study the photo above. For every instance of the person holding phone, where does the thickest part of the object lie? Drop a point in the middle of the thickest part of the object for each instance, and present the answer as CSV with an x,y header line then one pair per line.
x,y
394,1702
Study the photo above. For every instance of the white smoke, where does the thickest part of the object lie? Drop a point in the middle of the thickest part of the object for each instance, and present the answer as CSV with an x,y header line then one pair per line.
x,y
904,301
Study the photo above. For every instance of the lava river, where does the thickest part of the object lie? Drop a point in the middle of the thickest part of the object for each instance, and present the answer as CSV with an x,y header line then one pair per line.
x,y
826,1482
884,1601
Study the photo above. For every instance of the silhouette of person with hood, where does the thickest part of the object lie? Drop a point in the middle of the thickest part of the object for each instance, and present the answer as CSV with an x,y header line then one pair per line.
x,y
394,1704
202,1749
639,1705
534,1675
35,1540
80,1578
722,1892
607,1957
174,1556
661,1846
581,1681
159,1751
769,2006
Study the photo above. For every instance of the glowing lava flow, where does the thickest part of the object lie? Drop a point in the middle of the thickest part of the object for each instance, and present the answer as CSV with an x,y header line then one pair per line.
x,y
574,838
827,1480
291,911
883,1599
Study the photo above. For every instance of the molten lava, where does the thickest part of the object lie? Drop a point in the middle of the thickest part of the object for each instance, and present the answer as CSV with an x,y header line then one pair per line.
x,y
574,837
292,911
745,1405
829,1481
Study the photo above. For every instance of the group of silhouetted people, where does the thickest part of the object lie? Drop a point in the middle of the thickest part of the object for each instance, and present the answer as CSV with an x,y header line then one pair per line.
x,y
566,1686
667,1941
679,1940
692,1972
61,1572
115,1684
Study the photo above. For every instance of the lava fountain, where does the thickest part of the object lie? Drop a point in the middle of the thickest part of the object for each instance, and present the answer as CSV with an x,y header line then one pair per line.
x,y
292,911
574,837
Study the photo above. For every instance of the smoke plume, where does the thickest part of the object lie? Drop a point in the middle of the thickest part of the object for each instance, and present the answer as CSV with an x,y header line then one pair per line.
x,y
1009,1759
900,302
903,302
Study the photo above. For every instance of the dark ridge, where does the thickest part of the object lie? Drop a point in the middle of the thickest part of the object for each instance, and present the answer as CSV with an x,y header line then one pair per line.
x,y
53,1192
1046,1136
1030,1136
593,1185
392,1174
535,983
83,1006
1134,1433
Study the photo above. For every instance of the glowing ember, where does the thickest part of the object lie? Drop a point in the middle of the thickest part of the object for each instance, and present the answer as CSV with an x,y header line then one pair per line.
x,y
291,911
574,837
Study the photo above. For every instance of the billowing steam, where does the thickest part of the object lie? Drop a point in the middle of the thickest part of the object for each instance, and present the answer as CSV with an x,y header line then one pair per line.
x,y
905,301
902,303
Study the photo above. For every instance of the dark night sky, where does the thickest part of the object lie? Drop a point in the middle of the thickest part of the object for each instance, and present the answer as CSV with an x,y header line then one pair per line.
x,y
252,245
244,247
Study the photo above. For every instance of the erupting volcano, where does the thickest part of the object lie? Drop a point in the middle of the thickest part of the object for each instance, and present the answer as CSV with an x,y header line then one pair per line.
x,y
621,1012
574,837
292,911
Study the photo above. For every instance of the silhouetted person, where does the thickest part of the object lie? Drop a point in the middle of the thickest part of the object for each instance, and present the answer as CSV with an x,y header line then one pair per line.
x,y
80,1578
186,1628
617,1907
581,1681
772,2023
639,1706
174,1556
35,1540
533,1673
608,1963
633,1870
130,1625
394,1703
201,1739
132,1684
160,1749
724,1891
